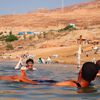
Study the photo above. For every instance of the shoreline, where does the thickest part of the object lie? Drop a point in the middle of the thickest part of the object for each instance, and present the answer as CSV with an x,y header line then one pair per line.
x,y
66,55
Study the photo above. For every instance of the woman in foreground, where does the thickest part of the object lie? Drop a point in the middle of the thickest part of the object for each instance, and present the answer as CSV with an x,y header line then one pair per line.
x,y
86,75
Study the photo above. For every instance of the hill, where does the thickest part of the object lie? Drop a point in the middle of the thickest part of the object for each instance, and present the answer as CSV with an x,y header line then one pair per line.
x,y
83,15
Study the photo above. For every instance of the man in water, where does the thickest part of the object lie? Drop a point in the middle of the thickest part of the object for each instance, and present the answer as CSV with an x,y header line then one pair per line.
x,y
29,64
86,75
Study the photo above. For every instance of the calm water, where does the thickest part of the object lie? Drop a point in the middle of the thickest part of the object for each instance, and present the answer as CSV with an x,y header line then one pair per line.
x,y
22,91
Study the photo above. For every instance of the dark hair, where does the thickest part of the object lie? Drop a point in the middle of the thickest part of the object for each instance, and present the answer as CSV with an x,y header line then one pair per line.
x,y
98,64
30,60
89,71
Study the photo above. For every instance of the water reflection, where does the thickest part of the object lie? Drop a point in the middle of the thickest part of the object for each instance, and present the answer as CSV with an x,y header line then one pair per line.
x,y
87,90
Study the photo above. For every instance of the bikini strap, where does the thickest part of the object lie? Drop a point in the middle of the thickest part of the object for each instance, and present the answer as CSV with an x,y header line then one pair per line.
x,y
78,84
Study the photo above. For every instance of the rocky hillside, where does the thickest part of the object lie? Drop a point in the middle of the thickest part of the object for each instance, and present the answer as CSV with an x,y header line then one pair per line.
x,y
83,15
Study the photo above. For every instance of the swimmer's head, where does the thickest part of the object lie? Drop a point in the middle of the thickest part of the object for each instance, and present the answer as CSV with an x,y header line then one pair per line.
x,y
89,71
98,64
39,58
30,63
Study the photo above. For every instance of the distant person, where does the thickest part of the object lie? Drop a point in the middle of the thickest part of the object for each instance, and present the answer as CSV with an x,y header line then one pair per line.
x,y
86,75
94,60
87,54
48,61
29,64
95,49
40,61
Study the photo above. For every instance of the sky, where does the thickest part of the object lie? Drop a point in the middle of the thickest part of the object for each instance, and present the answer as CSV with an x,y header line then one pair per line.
x,y
24,6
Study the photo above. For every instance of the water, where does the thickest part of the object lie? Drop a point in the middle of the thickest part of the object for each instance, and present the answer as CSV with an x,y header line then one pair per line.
x,y
22,91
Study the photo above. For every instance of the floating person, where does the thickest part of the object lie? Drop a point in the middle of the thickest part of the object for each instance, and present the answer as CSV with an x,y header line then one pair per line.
x,y
29,64
86,75
18,78
24,78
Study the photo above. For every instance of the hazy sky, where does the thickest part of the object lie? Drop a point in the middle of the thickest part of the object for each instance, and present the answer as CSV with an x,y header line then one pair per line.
x,y
24,6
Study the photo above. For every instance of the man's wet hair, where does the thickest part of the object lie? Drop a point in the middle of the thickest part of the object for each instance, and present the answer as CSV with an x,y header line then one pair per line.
x,y
30,60
98,64
89,71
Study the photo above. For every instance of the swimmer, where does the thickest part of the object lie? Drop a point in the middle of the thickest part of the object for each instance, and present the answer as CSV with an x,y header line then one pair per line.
x,y
86,75
29,64
98,66
23,78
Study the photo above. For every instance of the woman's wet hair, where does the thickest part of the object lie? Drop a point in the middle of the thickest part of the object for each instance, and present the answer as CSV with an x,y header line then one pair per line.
x,y
98,64
30,60
89,71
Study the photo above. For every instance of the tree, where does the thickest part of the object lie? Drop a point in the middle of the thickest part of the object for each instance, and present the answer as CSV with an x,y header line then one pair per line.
x,y
11,38
69,27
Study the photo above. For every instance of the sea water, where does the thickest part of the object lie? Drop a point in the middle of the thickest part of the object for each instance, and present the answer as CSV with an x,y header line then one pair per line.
x,y
58,72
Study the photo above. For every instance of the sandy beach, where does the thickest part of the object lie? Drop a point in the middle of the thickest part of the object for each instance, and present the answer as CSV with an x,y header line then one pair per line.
x,y
66,55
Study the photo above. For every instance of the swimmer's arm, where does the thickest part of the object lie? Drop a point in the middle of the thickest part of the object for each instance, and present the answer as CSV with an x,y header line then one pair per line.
x,y
66,83
18,64
23,73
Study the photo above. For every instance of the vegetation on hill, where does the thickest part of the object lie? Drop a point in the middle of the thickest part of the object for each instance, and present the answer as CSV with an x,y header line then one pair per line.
x,y
10,37
67,28
9,46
